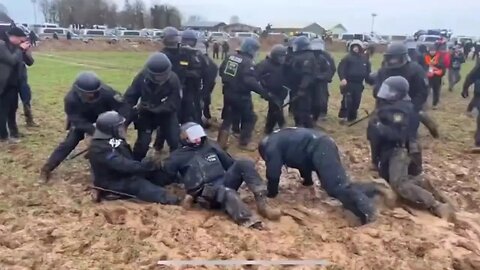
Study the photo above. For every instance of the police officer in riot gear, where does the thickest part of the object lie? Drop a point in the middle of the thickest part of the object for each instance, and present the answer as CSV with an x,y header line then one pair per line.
x,y
395,125
194,64
207,90
239,79
289,78
310,151
303,75
397,63
212,177
326,68
157,91
474,78
353,69
271,73
114,168
86,100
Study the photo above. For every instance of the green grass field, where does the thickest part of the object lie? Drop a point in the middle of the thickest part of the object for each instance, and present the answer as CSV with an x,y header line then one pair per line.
x,y
56,226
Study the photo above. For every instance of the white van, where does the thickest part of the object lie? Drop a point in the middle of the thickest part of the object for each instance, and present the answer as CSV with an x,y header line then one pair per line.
x,y
97,34
244,35
47,33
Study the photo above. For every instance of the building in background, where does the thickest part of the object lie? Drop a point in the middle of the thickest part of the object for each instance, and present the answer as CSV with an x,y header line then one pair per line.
x,y
205,26
292,29
240,27
338,30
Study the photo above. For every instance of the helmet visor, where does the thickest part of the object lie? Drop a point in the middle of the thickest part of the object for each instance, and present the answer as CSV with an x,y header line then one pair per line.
x,y
395,61
387,93
195,134
88,96
159,78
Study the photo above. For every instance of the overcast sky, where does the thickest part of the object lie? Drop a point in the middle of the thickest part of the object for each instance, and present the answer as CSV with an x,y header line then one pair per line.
x,y
394,17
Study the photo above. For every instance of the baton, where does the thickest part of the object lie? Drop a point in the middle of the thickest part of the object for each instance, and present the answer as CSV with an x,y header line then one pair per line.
x,y
77,154
361,119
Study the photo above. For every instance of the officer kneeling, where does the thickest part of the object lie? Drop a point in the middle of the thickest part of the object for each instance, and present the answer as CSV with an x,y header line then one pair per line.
x,y
395,125
212,177
114,168
309,150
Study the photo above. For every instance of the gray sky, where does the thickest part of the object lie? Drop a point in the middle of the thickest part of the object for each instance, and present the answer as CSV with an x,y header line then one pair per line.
x,y
394,17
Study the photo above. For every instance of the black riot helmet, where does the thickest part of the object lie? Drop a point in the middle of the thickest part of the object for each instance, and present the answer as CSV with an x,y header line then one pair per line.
x,y
171,37
192,134
301,43
189,37
158,68
393,89
318,44
110,125
87,86
250,46
278,54
396,55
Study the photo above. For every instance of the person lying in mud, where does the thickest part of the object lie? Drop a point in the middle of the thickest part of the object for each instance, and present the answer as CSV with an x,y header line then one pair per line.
x,y
310,150
212,177
114,169
394,130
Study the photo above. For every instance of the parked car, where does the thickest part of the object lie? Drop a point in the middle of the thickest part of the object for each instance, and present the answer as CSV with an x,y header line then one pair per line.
x,y
243,35
47,33
97,34
428,39
131,35
367,39
219,36
309,35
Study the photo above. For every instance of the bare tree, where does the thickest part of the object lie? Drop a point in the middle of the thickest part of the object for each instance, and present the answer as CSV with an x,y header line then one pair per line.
x,y
139,10
164,15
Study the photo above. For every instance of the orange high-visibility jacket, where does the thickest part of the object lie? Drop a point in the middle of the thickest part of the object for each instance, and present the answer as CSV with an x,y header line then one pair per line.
x,y
435,65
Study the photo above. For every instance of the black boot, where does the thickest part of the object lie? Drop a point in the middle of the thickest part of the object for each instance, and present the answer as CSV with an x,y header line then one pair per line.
x,y
27,109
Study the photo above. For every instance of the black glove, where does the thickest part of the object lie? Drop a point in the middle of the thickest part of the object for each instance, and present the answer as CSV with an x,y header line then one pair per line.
x,y
465,93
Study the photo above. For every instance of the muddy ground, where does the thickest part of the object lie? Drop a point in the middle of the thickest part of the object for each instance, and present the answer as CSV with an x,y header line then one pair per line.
x,y
58,226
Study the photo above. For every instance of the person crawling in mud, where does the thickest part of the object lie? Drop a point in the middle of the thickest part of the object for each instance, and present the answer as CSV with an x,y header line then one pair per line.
x,y
310,150
212,177
394,130
117,172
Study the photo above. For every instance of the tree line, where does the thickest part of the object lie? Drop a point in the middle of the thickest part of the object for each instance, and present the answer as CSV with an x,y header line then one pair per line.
x,y
134,14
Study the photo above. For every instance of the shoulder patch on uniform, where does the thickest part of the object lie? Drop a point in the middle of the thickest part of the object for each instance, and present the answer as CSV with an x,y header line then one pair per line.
x,y
118,97
231,68
115,142
235,59
397,117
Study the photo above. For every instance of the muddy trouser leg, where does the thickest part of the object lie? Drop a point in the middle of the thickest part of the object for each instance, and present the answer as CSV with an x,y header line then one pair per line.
x,y
451,78
143,189
402,183
64,149
415,167
302,111
227,115
474,103
342,113
356,91
171,130
374,145
188,107
243,170
248,119
307,177
4,108
271,118
336,183
316,102
207,100
12,117
159,140
144,137
230,200
436,84
324,95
